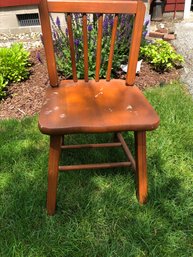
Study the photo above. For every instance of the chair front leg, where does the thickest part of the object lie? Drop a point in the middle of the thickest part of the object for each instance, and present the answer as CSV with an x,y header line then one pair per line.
x,y
54,156
141,166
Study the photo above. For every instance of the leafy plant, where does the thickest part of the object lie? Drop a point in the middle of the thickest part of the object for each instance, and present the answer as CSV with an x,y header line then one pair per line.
x,y
161,55
121,51
3,84
14,63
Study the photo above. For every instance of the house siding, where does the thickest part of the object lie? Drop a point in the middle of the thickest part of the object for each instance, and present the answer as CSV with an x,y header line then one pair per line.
x,y
174,5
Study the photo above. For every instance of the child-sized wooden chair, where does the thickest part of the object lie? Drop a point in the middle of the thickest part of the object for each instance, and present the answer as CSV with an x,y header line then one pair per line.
x,y
71,106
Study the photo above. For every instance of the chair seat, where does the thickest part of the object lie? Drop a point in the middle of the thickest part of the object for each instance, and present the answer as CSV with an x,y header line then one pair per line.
x,y
92,107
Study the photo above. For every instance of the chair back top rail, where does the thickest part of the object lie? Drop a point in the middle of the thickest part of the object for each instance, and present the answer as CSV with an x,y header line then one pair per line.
x,y
84,7
94,6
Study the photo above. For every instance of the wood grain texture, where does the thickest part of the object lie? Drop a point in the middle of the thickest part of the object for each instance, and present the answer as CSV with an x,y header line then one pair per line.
x,y
98,50
94,166
95,107
141,166
103,6
135,43
48,43
71,43
91,145
54,155
85,43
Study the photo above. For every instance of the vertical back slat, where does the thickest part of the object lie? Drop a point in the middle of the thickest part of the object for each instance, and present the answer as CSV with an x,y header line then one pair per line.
x,y
85,43
48,43
113,38
72,51
135,43
99,44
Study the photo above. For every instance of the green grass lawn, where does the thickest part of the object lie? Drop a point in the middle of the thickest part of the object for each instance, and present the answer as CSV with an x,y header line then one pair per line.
x,y
97,211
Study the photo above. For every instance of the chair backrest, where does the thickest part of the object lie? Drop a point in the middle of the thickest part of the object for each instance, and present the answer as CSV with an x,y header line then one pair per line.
x,y
100,7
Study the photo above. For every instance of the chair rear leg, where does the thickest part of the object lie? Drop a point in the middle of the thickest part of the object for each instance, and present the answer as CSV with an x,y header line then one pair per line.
x,y
141,166
54,156
114,137
62,139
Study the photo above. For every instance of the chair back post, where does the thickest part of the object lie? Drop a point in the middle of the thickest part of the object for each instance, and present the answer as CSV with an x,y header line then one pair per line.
x,y
99,47
72,50
85,44
135,43
112,46
48,43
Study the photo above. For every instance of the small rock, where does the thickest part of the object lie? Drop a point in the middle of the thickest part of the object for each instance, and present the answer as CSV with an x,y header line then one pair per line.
x,y
156,34
168,37
171,31
164,30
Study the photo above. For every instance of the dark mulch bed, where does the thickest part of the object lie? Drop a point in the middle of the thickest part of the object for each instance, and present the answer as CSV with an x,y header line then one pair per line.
x,y
25,98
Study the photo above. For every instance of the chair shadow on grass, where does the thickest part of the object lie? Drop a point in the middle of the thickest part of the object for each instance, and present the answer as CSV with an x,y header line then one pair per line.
x,y
35,156
98,198
90,180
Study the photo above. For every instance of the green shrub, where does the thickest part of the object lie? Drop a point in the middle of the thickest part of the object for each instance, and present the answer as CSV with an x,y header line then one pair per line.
x,y
14,63
3,84
161,55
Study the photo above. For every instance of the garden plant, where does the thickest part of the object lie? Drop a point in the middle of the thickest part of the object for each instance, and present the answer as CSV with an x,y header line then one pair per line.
x,y
161,55
3,84
14,65
121,51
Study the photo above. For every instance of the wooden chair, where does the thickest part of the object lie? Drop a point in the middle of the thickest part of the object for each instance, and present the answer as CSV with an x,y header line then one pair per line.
x,y
94,106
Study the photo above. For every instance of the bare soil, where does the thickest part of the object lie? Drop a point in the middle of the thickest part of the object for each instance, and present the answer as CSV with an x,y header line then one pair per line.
x,y
25,98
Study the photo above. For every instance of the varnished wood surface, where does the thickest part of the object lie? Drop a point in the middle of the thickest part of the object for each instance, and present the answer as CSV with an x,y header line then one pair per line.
x,y
91,145
96,107
99,45
48,43
135,43
71,43
141,166
54,155
98,6
104,6
94,166
85,44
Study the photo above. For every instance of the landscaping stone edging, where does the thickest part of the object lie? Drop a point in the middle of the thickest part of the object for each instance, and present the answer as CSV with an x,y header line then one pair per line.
x,y
29,40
